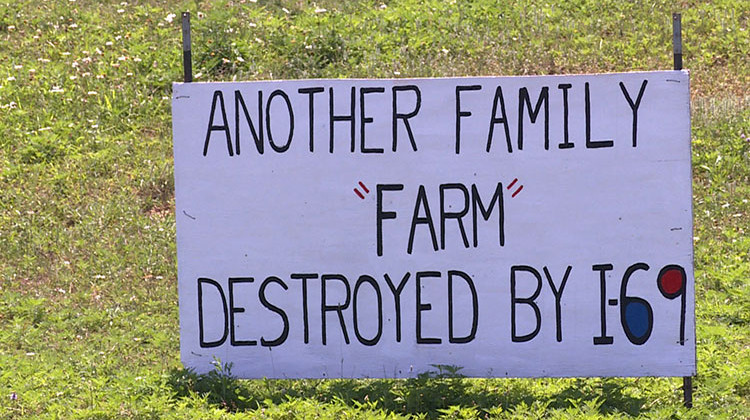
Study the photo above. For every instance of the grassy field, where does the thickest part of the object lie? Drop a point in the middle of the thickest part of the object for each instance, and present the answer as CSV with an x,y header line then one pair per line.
x,y
88,295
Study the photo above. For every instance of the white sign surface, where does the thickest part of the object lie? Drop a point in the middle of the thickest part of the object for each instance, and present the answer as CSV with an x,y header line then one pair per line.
x,y
506,226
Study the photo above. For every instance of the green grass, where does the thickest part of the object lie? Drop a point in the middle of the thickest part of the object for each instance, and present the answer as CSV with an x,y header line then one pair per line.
x,y
88,296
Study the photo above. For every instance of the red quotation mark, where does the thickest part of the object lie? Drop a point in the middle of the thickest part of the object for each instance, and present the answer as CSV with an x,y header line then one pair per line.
x,y
515,193
359,194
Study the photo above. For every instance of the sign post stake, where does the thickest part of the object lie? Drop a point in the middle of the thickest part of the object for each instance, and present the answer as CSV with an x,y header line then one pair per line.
x,y
677,40
187,56
687,390
687,381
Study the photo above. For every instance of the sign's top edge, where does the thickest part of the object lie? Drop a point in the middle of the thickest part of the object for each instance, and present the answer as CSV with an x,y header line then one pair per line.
x,y
404,79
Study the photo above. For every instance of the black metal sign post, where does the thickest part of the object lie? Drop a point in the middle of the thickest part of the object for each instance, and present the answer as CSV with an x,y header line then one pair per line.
x,y
677,40
187,55
687,381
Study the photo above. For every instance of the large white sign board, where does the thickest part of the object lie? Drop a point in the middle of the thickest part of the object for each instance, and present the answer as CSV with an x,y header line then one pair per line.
x,y
509,226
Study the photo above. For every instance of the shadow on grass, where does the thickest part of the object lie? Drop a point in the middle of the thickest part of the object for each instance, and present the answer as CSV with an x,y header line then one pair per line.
x,y
426,394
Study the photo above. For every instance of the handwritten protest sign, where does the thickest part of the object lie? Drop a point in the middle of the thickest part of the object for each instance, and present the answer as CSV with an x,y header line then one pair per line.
x,y
507,226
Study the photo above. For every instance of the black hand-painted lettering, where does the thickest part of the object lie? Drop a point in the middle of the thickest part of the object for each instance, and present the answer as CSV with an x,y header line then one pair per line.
x,y
527,301
592,144
237,309
311,111
602,269
444,214
423,307
201,330
218,97
634,107
474,305
371,281
461,114
486,212
239,102
305,318
364,119
273,308
397,300
381,215
671,294
421,202
566,144
631,301
338,308
502,119
332,118
405,117
285,147
524,102
558,296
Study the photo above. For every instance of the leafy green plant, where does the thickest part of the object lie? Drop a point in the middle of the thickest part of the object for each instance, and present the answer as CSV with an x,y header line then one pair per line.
x,y
218,387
